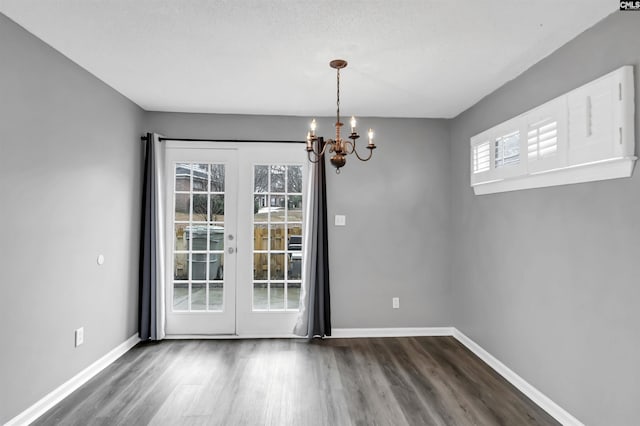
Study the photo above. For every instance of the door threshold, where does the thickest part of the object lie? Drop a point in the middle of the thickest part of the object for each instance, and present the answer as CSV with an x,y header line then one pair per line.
x,y
230,336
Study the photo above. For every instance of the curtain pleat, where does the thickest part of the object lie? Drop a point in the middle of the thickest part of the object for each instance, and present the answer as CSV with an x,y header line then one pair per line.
x,y
314,319
151,268
321,324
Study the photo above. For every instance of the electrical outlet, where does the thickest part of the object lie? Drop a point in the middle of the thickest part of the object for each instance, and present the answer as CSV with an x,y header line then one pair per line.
x,y
396,303
341,220
79,336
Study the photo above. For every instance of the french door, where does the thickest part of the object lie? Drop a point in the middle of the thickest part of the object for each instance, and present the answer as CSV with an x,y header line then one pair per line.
x,y
234,238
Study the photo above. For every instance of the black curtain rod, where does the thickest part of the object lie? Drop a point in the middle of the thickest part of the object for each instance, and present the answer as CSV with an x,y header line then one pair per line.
x,y
144,138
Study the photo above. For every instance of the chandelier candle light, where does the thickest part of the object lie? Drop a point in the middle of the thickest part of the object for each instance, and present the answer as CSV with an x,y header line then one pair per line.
x,y
340,147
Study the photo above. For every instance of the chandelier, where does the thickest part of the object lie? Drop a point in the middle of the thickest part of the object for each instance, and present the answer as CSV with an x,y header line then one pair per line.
x,y
317,146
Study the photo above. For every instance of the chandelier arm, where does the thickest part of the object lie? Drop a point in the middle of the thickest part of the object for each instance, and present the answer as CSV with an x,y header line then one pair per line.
x,y
362,158
317,160
319,153
327,144
350,144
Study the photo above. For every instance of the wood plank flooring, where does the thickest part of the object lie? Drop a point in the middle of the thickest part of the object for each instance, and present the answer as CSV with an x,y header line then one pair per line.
x,y
390,381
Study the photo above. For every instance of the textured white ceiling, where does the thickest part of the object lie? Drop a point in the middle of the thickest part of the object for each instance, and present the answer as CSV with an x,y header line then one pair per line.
x,y
407,58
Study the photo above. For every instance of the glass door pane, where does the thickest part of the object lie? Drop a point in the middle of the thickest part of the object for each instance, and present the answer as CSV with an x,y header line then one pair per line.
x,y
199,226
277,237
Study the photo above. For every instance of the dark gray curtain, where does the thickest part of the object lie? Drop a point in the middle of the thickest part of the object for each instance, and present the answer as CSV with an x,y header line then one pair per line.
x,y
320,300
147,312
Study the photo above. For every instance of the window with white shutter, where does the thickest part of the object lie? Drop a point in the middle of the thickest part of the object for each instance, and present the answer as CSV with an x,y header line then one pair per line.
x,y
481,157
542,139
584,135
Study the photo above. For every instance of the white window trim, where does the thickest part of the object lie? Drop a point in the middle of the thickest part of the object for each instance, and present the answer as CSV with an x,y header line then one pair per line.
x,y
560,169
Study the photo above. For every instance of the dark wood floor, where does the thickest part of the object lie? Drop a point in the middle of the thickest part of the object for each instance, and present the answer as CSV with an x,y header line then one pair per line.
x,y
391,381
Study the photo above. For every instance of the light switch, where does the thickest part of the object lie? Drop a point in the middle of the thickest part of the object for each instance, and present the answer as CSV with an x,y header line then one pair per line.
x,y
341,220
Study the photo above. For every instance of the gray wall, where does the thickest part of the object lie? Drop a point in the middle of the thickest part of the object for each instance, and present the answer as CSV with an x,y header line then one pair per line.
x,y
70,186
547,279
397,206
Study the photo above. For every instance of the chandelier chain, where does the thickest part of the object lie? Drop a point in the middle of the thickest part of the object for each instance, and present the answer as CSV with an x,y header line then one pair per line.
x,y
338,97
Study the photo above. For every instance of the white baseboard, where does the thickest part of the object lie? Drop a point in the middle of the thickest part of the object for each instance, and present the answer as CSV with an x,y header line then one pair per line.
x,y
348,333
521,384
64,390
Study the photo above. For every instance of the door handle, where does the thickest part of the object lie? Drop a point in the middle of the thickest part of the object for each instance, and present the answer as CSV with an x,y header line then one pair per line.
x,y
230,250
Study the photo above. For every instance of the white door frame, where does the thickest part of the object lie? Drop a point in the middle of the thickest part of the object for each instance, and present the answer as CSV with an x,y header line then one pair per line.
x,y
246,322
